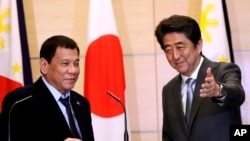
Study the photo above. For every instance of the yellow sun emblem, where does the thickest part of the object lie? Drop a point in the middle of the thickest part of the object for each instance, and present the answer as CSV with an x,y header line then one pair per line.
x,y
3,27
205,22
223,58
16,68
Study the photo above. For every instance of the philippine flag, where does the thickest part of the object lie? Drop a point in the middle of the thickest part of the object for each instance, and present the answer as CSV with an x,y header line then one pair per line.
x,y
11,73
216,31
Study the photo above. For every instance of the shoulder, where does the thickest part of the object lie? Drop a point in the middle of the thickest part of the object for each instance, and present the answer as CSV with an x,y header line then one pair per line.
x,y
75,95
220,66
17,96
225,67
173,82
228,65
22,93
19,93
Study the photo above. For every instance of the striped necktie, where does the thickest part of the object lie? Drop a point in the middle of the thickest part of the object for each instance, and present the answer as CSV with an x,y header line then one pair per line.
x,y
190,82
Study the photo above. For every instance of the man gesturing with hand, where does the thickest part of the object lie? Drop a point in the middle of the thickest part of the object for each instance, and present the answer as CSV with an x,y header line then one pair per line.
x,y
204,99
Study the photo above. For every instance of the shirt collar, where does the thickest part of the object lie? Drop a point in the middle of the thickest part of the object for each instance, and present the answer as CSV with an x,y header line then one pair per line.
x,y
56,94
195,73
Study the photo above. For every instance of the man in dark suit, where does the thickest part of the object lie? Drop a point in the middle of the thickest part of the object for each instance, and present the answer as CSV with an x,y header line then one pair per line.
x,y
35,112
216,94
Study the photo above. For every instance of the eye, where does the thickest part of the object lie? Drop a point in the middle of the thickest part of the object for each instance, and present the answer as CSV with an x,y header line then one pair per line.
x,y
76,64
65,63
181,48
168,50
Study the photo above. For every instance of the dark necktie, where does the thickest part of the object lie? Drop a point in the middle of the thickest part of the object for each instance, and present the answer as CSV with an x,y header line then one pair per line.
x,y
66,103
190,82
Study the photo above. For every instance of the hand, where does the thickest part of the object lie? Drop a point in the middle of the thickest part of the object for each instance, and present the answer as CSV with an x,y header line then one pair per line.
x,y
72,139
209,88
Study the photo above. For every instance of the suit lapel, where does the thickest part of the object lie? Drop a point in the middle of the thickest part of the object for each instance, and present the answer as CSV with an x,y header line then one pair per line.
x,y
176,91
197,100
51,112
79,110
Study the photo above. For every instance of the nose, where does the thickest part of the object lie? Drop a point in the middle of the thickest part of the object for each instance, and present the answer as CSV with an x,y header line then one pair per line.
x,y
73,68
176,53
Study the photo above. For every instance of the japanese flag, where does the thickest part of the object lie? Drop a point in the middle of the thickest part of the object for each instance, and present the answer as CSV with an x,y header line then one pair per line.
x,y
104,72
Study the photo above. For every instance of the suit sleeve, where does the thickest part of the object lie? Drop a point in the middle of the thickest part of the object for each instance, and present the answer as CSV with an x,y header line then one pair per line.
x,y
229,75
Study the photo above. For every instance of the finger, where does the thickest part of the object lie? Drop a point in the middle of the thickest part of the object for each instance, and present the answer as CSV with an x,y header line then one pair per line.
x,y
205,93
209,76
208,80
208,72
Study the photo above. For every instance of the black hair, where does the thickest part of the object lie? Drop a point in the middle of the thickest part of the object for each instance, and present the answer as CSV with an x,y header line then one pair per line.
x,y
50,45
179,24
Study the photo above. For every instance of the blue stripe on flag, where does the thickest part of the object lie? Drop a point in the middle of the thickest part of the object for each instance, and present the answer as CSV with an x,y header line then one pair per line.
x,y
27,74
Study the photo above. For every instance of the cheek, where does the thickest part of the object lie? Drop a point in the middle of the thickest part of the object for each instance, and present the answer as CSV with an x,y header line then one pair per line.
x,y
57,73
77,73
168,57
191,59
78,69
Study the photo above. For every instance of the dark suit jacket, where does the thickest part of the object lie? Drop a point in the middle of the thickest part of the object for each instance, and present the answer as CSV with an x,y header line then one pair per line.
x,y
33,115
209,120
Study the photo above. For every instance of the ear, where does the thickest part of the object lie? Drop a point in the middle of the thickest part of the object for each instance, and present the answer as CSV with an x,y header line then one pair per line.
x,y
43,65
199,45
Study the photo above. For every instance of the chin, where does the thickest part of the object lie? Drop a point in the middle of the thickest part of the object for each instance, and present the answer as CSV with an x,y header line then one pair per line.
x,y
182,71
68,87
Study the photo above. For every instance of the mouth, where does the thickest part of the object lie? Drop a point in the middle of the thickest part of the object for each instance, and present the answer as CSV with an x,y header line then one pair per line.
x,y
71,79
179,64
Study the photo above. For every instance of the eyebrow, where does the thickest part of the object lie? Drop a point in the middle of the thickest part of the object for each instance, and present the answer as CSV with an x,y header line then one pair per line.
x,y
177,43
180,42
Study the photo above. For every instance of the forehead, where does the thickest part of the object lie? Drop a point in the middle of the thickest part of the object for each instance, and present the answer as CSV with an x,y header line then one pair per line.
x,y
175,38
66,53
60,50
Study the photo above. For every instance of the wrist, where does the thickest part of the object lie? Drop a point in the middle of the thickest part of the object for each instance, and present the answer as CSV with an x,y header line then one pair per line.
x,y
221,94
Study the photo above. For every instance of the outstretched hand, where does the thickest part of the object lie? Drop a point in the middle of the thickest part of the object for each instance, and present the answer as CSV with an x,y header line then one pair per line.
x,y
209,88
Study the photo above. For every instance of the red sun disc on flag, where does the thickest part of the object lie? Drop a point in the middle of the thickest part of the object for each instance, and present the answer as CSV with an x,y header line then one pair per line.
x,y
104,72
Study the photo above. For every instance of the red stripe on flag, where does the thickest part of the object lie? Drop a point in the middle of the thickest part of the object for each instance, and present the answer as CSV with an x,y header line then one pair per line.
x,y
7,85
104,72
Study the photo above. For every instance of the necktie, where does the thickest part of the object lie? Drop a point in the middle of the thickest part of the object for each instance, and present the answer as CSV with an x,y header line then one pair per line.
x,y
66,103
190,82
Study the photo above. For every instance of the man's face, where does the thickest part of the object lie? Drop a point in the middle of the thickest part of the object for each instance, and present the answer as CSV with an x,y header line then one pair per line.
x,y
63,71
181,52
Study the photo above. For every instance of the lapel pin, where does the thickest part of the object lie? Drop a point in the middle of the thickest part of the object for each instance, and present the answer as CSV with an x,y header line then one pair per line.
x,y
78,103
